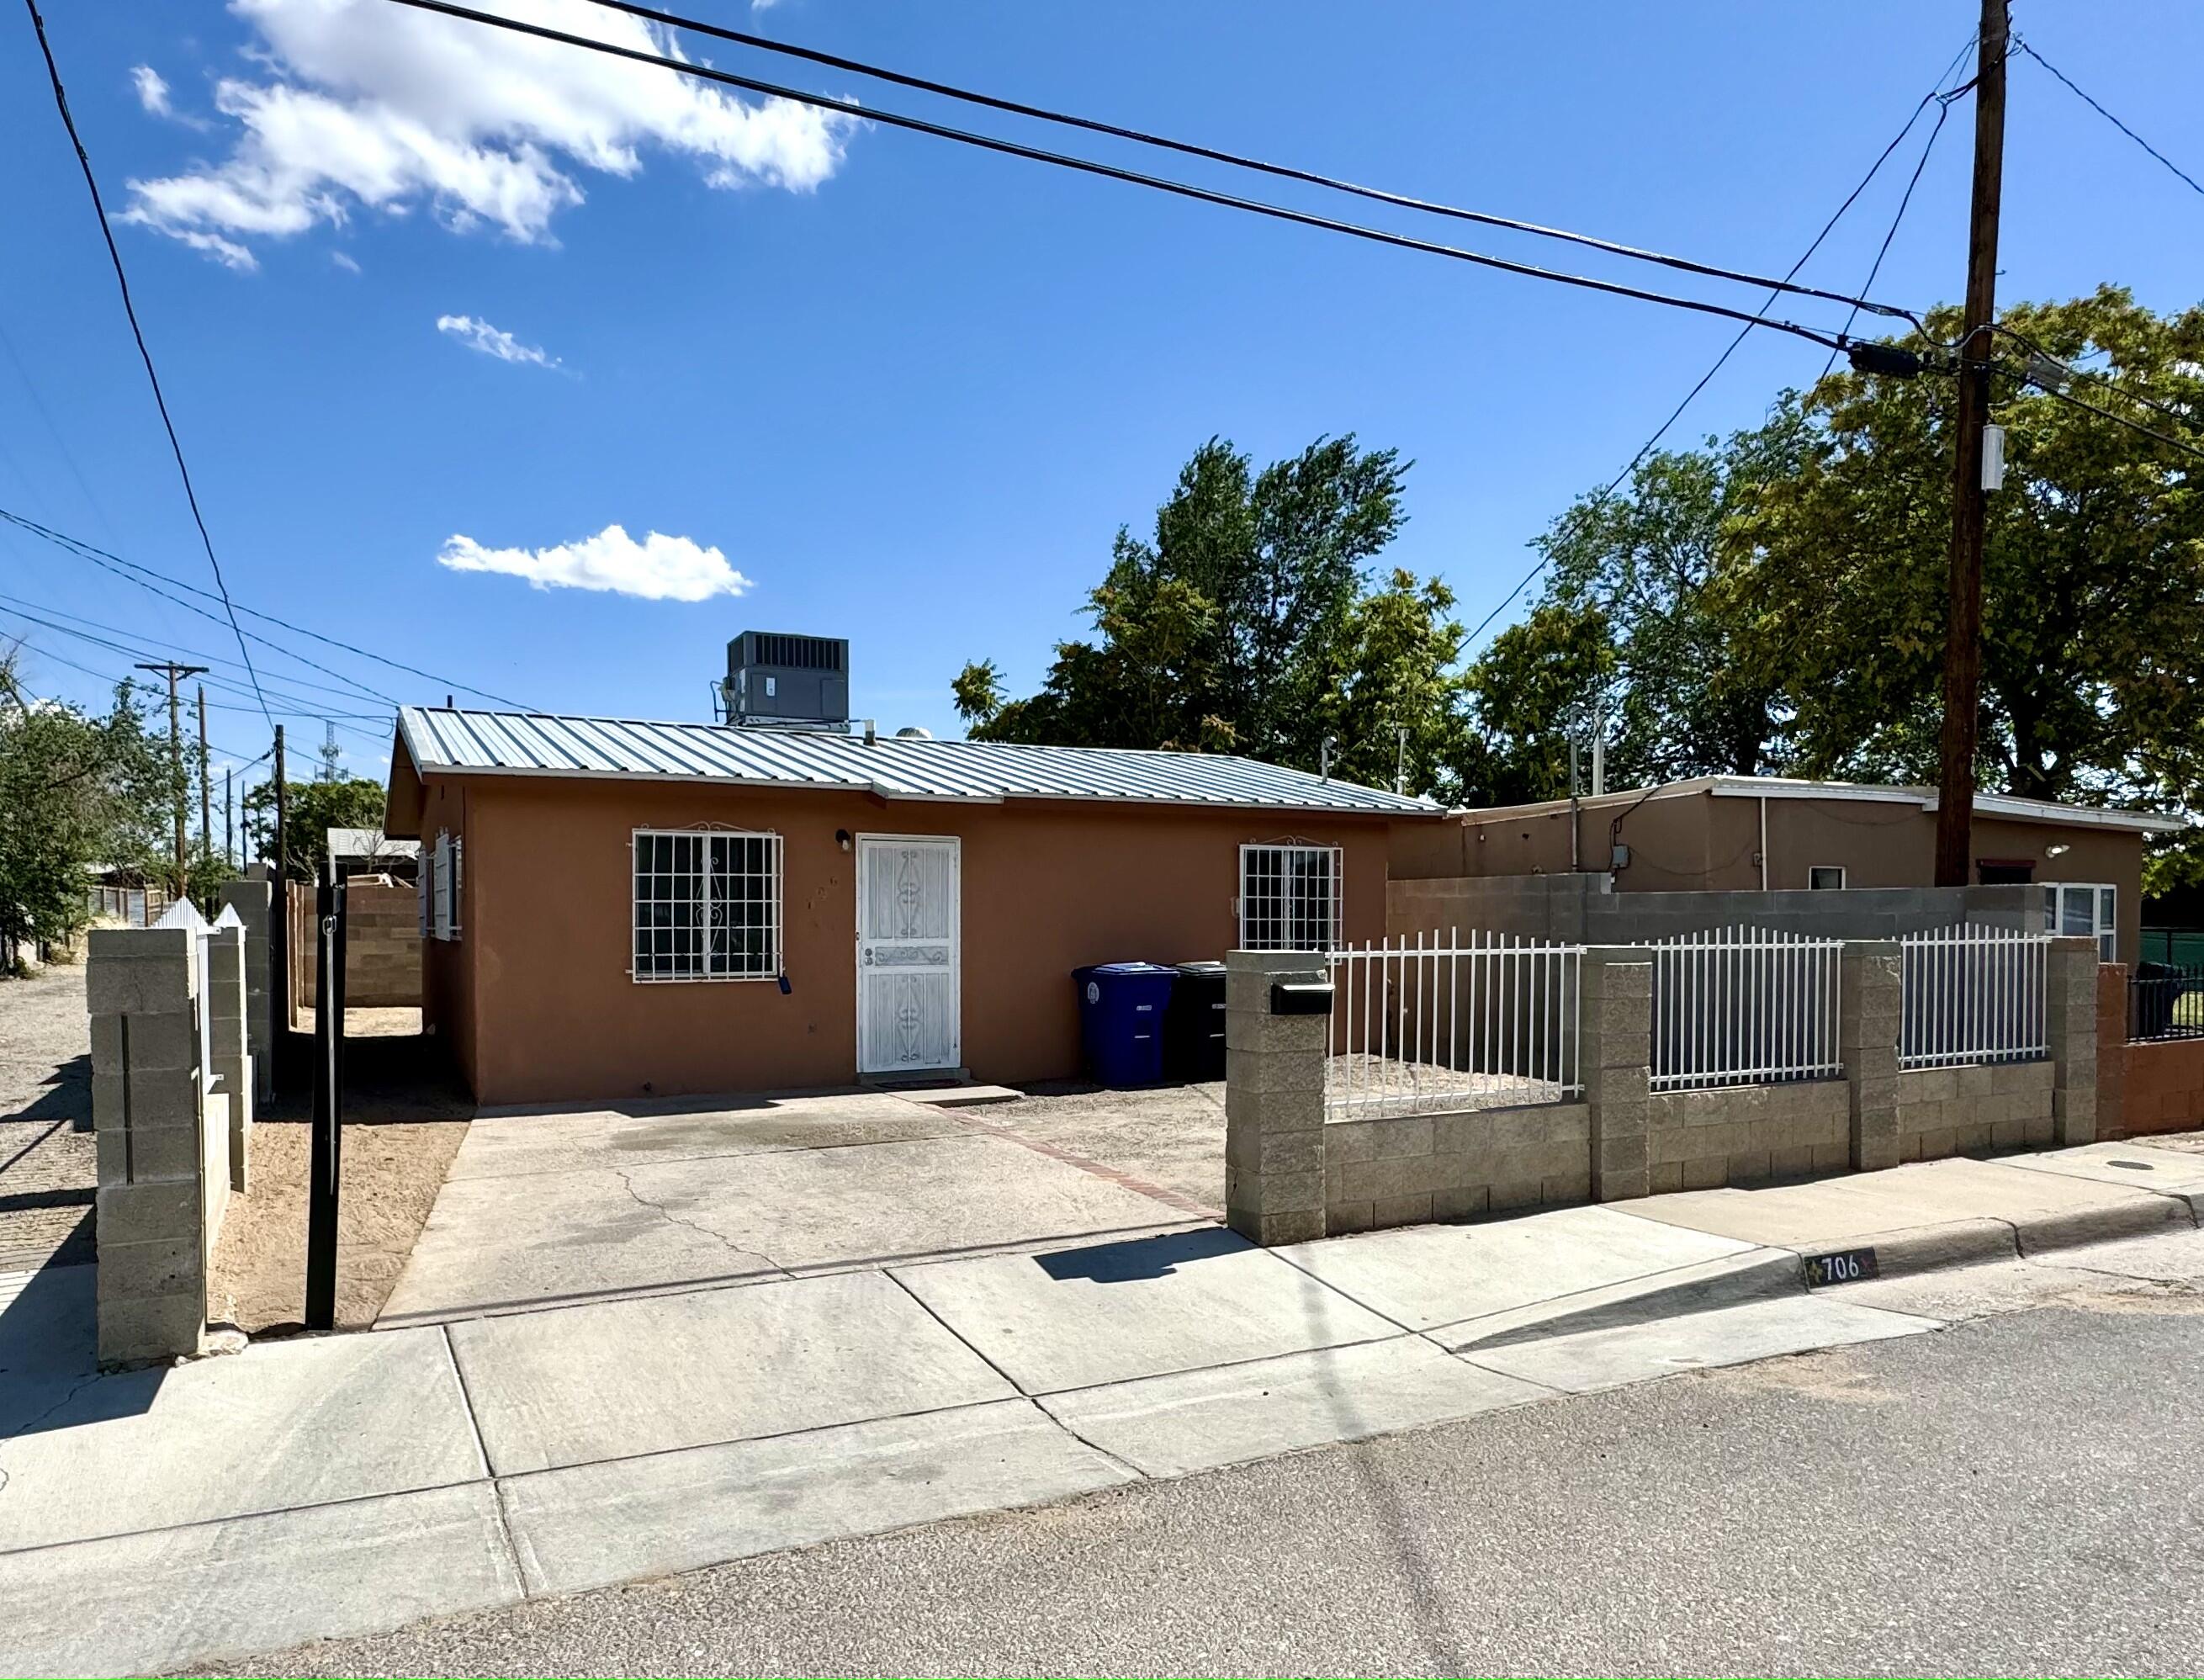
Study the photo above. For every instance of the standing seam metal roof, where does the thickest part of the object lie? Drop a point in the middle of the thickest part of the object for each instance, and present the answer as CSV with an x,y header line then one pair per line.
x,y
895,768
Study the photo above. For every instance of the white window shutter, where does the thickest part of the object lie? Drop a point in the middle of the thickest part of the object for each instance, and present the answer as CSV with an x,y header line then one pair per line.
x,y
423,874
443,898
458,878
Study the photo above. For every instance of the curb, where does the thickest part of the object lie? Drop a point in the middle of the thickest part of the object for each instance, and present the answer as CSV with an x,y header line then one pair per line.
x,y
1755,1274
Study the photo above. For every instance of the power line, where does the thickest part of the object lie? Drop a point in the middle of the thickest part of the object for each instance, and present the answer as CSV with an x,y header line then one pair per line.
x,y
1904,203
1214,154
2175,443
1112,172
1730,349
350,684
87,551
2066,367
129,309
2189,178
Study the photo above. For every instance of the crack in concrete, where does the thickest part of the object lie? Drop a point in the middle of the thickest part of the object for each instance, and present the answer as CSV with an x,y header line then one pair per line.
x,y
672,1218
75,1389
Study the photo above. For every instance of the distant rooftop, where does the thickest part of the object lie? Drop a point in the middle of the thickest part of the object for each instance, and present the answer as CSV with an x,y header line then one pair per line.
x,y
448,743
370,843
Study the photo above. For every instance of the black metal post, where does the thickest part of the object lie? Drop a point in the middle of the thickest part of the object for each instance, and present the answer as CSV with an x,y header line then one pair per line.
x,y
324,1168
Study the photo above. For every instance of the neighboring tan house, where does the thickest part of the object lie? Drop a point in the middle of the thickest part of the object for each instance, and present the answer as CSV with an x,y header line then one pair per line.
x,y
371,851
1746,834
619,909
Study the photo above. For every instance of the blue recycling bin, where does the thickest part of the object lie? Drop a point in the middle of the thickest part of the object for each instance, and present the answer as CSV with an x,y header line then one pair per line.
x,y
1121,1021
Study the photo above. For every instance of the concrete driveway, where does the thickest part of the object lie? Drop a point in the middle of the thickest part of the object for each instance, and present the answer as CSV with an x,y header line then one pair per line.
x,y
548,1209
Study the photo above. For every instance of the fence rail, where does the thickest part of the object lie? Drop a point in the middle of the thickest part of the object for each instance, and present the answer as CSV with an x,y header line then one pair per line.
x,y
1972,993
2166,1000
1743,1006
1431,1023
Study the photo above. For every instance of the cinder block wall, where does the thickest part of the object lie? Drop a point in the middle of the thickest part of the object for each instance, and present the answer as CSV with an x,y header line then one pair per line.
x,y
1963,1111
1409,1169
1746,1134
382,945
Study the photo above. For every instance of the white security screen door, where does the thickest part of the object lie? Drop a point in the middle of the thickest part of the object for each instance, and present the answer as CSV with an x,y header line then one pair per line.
x,y
908,983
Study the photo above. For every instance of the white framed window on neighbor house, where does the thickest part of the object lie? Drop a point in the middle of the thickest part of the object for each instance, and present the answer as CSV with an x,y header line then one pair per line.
x,y
707,905
1289,898
2084,907
1826,877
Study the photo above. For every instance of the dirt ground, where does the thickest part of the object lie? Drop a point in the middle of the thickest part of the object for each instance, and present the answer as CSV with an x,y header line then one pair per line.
x,y
405,1115
1169,1135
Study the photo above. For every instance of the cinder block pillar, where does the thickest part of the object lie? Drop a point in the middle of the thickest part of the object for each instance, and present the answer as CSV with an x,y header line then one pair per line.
x,y
253,898
1616,1027
142,988
2070,1022
1273,1102
1869,1017
2112,1049
229,1013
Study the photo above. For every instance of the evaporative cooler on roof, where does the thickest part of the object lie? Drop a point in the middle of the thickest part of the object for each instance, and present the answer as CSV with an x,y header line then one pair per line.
x,y
779,681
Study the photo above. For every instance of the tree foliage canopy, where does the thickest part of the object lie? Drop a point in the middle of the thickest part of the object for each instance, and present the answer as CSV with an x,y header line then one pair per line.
x,y
1249,622
76,793
315,807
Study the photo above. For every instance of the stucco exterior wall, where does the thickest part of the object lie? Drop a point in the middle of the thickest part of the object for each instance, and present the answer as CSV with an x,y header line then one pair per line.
x,y
447,966
1700,842
537,999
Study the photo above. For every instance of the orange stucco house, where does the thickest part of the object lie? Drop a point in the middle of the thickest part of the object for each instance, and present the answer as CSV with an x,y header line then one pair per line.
x,y
622,909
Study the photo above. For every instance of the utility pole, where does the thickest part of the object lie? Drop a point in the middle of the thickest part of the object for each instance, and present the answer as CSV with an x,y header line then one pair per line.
x,y
206,792
282,808
229,816
175,674
1963,645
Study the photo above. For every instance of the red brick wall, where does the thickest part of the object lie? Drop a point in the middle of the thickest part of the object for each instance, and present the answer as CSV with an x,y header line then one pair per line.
x,y
2165,1087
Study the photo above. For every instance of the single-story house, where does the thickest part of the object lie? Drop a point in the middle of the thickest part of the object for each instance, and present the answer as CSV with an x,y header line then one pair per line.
x,y
1770,834
620,908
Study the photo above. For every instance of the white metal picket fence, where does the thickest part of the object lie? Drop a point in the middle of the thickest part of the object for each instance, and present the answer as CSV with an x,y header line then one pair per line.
x,y
1433,1022
1972,993
1744,1006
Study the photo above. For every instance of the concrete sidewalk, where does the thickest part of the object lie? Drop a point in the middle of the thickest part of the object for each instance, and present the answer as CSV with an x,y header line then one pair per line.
x,y
344,1485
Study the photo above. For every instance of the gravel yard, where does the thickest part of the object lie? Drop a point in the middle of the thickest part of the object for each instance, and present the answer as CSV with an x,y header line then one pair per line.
x,y
47,1171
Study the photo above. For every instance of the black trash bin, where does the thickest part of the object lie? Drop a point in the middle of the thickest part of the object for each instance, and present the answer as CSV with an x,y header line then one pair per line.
x,y
2158,989
1194,1025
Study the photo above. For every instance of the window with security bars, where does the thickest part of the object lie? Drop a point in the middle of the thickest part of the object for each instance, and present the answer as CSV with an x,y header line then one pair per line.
x,y
1288,898
706,906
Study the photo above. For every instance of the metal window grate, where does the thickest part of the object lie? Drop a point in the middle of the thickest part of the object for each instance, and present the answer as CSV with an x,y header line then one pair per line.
x,y
1289,898
706,906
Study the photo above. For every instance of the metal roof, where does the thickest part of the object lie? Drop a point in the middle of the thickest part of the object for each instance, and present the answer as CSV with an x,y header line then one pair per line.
x,y
446,742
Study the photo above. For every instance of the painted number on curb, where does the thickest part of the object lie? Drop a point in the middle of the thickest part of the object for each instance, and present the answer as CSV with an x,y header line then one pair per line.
x,y
1847,1267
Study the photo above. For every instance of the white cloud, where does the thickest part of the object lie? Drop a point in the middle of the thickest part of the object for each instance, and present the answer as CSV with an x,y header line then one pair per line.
x,y
345,262
478,334
658,568
358,104
152,90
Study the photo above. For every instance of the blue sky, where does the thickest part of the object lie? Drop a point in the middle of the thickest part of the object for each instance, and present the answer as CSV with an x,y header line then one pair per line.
x,y
906,390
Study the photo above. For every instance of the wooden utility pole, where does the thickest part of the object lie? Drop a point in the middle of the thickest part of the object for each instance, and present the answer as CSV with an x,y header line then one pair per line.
x,y
1962,644
175,674
229,816
206,792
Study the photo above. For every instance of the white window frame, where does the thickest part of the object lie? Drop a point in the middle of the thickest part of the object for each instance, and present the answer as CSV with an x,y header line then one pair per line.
x,y
1814,870
2104,900
772,959
1286,851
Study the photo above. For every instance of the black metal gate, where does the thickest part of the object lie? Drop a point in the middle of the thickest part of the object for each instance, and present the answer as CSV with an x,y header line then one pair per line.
x,y
325,1170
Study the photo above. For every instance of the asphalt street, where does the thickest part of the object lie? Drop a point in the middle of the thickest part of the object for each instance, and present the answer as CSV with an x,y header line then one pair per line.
x,y
2017,1494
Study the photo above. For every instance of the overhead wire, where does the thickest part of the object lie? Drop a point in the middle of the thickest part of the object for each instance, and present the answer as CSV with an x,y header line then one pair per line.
x,y
137,333
1113,172
88,551
2190,180
2086,375
679,21
1731,348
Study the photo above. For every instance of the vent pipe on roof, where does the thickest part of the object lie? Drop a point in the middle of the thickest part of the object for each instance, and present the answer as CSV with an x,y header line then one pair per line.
x,y
871,734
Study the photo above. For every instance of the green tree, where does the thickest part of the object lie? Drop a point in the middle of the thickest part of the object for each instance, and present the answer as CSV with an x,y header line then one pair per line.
x,y
315,807
1530,692
75,792
1246,623
2093,645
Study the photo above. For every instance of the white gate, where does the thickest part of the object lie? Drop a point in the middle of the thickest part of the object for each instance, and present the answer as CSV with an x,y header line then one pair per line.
x,y
909,983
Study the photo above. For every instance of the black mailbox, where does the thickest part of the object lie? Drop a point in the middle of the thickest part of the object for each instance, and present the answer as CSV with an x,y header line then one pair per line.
x,y
1301,997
